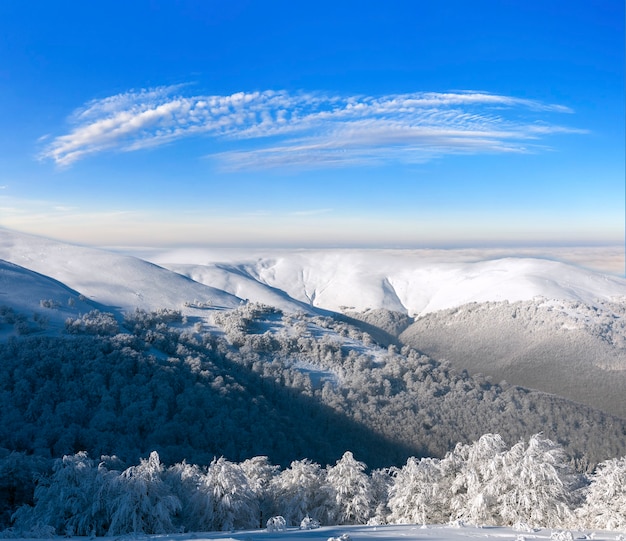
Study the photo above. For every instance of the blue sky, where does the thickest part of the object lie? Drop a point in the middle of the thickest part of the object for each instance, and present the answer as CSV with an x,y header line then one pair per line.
x,y
337,123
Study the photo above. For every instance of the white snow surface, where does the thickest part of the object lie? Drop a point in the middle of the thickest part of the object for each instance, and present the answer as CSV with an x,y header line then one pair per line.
x,y
405,532
415,282
114,280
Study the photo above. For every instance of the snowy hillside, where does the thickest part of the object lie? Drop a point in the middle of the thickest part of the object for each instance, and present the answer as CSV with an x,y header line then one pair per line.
x,y
38,302
576,338
239,282
117,281
563,347
129,375
414,282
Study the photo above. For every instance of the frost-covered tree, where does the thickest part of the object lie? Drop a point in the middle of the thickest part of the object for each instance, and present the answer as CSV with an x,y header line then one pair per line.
x,y
381,481
260,473
17,474
66,501
605,506
225,498
139,500
94,322
301,491
182,480
473,496
415,496
535,485
351,489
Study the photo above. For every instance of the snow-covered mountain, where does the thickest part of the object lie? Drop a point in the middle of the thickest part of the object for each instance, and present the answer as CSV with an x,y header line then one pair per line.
x,y
567,337
414,282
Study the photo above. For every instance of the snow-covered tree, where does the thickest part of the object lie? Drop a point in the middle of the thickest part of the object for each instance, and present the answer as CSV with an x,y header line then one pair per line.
x,y
351,489
260,473
67,500
182,480
535,484
300,491
17,472
225,497
472,494
605,506
381,481
415,496
140,502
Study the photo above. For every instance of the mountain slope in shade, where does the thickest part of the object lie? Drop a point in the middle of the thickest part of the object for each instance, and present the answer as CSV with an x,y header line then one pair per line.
x,y
414,282
117,281
43,303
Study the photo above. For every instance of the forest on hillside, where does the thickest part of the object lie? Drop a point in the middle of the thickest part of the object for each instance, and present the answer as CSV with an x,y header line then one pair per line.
x,y
568,348
286,386
259,383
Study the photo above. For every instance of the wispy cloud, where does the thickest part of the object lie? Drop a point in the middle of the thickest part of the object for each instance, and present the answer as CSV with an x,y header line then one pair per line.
x,y
310,129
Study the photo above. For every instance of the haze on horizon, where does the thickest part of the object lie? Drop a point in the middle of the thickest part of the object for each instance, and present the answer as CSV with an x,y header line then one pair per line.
x,y
327,124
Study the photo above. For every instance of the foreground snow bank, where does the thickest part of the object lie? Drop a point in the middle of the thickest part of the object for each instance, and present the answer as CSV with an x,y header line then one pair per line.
x,y
405,532
386,533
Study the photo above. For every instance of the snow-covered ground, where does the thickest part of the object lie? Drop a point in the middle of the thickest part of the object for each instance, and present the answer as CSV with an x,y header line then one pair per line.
x,y
404,532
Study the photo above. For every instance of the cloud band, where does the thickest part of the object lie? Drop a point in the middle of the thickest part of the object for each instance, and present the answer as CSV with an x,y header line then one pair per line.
x,y
309,129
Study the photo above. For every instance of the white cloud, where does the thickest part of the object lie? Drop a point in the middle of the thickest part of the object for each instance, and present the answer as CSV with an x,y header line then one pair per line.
x,y
309,129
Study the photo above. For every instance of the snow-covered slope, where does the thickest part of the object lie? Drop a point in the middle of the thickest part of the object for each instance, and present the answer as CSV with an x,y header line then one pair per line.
x,y
415,282
561,347
117,281
43,303
239,282
27,291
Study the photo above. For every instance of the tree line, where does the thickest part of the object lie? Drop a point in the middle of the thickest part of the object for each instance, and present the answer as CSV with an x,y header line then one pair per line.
x,y
528,485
